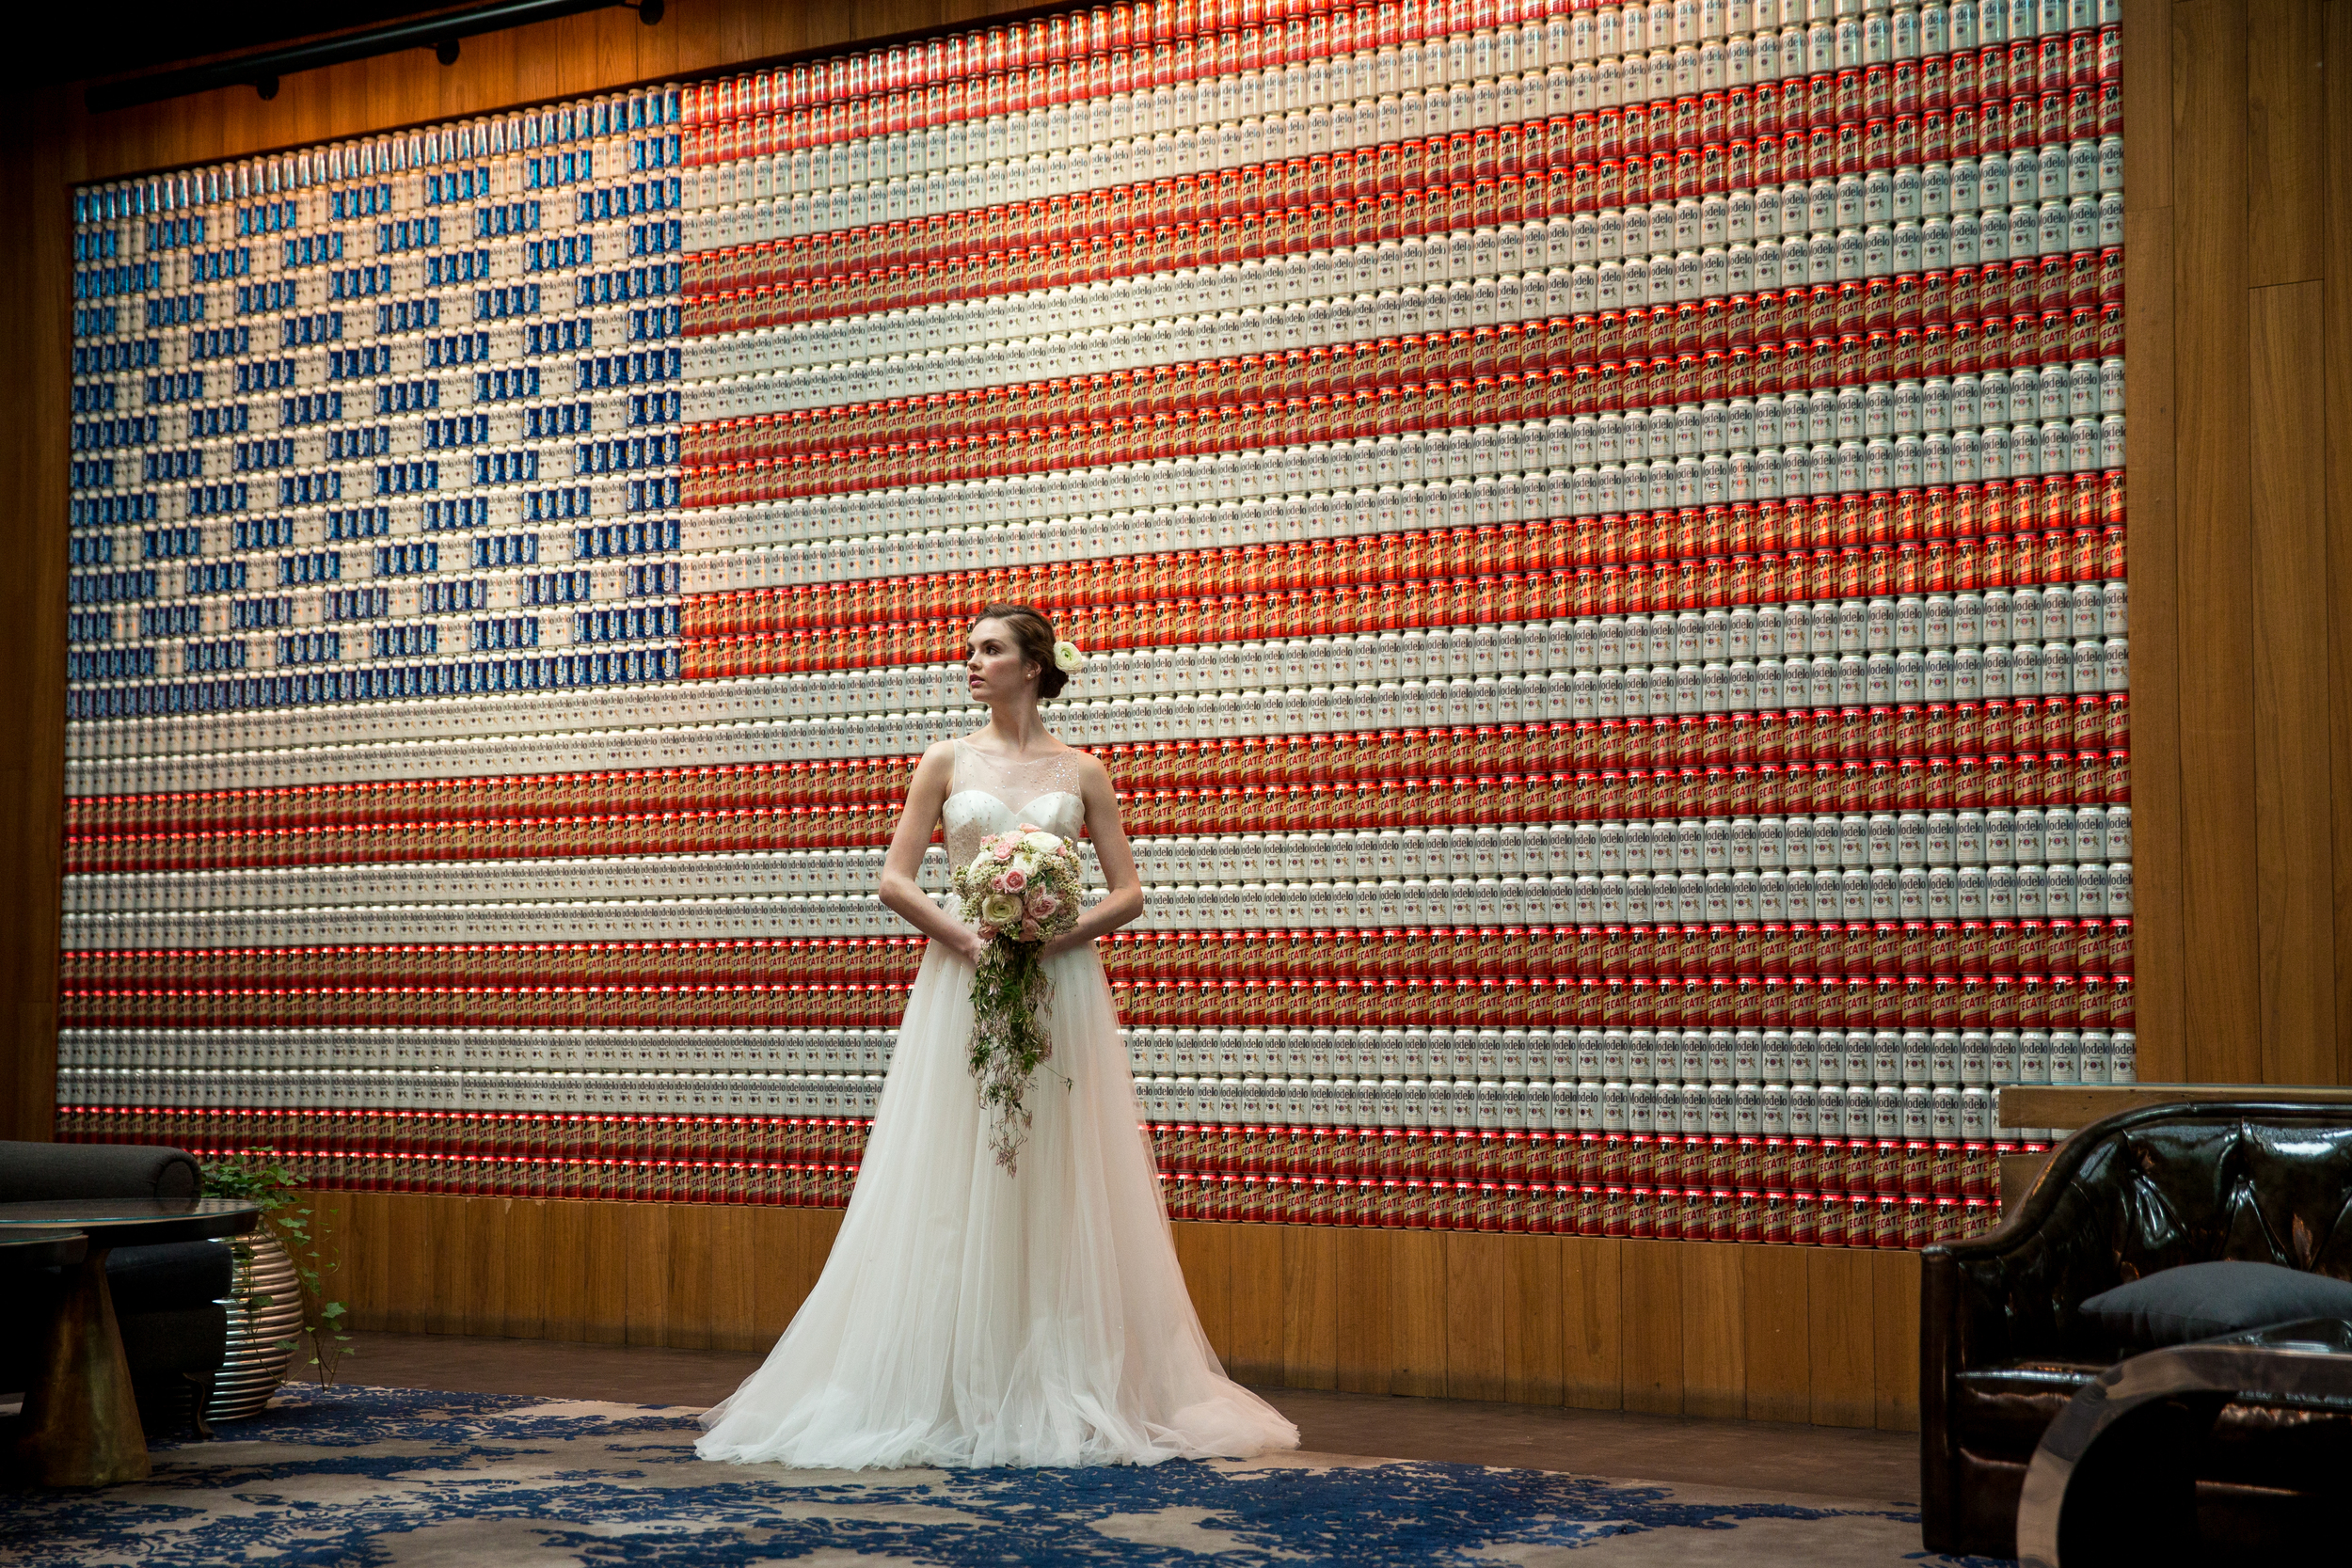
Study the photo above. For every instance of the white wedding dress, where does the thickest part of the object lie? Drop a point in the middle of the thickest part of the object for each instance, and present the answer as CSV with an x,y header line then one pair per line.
x,y
967,1316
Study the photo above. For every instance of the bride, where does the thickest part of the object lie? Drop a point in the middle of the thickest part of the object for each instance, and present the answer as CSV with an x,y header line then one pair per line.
x,y
968,1315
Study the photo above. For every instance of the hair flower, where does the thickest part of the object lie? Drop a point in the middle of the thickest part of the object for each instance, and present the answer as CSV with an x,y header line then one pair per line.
x,y
1068,656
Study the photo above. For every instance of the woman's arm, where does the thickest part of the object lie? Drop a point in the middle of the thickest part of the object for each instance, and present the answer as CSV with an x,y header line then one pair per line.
x,y
927,792
1124,901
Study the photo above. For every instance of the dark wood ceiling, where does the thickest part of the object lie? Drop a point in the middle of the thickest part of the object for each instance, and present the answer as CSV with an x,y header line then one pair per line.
x,y
130,36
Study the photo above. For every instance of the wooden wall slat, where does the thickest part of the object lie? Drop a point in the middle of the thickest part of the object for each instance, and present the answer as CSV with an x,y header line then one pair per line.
x,y
1206,1253
2147,104
2159,981
484,1280
1651,1325
2220,958
1256,1306
774,1263
415,1299
1840,1338
2294,809
565,1230
1777,1357
2336,327
604,1265
361,1259
645,1238
1532,1310
1310,1288
522,1256
1592,1351
1715,1331
2285,94
1361,1315
1417,1321
688,1308
733,1303
2159,935
1475,1366
1894,1341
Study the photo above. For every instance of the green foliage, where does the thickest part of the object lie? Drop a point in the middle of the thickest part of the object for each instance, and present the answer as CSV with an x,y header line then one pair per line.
x,y
1022,890
1010,996
307,1236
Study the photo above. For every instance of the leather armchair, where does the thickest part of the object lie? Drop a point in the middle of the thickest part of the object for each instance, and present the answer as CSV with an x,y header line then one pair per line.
x,y
2003,1341
167,1298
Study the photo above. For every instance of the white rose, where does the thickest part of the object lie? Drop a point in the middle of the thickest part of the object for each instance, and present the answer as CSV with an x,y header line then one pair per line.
x,y
1043,842
1000,908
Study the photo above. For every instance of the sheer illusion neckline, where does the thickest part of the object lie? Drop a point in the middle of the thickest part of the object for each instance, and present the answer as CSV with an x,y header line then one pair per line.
x,y
1016,782
991,794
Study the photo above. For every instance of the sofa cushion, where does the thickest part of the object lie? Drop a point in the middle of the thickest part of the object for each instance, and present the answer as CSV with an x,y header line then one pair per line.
x,y
169,1277
33,1172
2198,1300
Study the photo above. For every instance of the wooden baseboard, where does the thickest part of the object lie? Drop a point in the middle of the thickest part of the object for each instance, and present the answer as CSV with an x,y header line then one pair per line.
x,y
1821,1335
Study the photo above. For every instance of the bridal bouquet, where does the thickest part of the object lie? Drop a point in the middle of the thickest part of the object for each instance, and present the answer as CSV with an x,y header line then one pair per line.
x,y
1022,889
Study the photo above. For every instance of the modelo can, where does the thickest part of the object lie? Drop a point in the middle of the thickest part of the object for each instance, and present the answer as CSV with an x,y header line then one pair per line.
x,y
1975,1115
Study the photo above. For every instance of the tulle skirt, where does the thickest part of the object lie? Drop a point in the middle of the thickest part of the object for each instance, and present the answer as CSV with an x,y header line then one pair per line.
x,y
969,1317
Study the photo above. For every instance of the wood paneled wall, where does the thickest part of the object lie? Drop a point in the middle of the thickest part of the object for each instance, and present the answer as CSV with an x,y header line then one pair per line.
x,y
2238,282
1823,1335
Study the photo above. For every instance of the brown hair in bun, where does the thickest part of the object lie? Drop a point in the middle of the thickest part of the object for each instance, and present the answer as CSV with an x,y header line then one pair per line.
x,y
1035,635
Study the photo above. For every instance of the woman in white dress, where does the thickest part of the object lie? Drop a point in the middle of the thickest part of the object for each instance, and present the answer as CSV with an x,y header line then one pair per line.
x,y
968,1315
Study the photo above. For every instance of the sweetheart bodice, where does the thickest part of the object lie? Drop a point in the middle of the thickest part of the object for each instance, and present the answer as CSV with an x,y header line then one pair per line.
x,y
989,796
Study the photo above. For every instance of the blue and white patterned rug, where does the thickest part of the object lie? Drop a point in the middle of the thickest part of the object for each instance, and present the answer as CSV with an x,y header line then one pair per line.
x,y
378,1477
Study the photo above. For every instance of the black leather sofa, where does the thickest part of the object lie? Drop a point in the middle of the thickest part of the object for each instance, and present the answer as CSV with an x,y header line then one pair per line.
x,y
174,1333
2004,1344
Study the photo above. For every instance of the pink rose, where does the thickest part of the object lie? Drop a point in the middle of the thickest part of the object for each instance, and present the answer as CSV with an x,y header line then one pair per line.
x,y
1043,904
1004,851
1029,932
1014,880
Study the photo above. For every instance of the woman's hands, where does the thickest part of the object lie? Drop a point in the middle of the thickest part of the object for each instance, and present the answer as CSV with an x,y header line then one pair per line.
x,y
968,946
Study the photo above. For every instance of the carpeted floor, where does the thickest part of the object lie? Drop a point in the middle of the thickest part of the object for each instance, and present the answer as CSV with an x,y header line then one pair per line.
x,y
408,1479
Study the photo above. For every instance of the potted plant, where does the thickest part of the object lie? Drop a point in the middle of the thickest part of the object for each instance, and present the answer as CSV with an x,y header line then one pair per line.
x,y
278,1297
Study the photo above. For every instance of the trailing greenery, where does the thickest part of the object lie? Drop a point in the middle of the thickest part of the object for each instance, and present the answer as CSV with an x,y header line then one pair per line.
x,y
307,1236
1020,891
1009,994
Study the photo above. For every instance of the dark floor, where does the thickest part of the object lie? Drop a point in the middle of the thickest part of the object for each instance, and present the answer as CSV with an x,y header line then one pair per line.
x,y
1874,1466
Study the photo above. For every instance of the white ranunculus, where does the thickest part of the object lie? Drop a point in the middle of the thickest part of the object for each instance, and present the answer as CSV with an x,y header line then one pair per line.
x,y
1000,908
